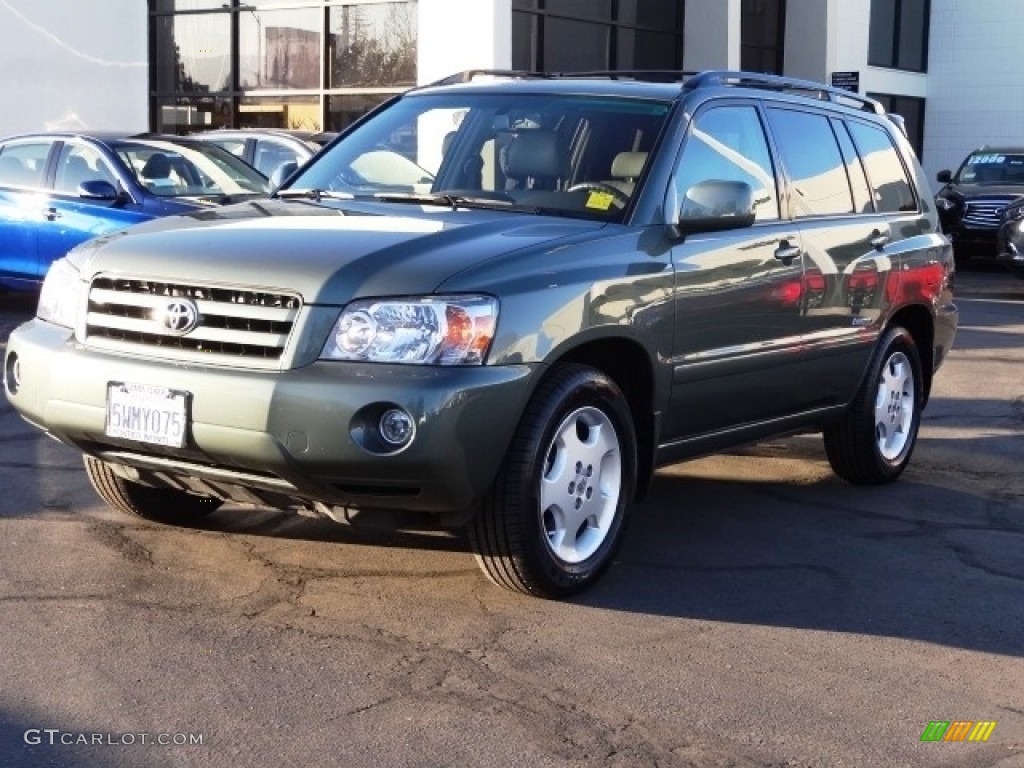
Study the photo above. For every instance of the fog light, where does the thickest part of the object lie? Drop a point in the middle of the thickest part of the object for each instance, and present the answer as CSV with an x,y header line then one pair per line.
x,y
12,373
396,426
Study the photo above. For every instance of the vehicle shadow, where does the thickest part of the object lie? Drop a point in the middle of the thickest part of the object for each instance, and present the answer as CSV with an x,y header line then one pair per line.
x,y
909,560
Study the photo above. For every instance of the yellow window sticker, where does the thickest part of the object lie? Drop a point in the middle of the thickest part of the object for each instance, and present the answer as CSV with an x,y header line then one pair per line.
x,y
600,200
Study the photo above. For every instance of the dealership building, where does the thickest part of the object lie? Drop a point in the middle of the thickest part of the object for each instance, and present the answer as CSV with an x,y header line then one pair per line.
x,y
186,65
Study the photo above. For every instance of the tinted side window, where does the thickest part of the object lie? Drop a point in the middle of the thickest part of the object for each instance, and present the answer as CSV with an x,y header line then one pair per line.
x,y
886,174
728,143
812,159
854,170
24,165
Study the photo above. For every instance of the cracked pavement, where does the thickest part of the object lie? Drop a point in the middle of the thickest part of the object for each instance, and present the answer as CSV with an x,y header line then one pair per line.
x,y
761,613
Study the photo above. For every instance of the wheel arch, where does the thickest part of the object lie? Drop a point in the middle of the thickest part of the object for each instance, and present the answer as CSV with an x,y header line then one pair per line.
x,y
918,322
628,364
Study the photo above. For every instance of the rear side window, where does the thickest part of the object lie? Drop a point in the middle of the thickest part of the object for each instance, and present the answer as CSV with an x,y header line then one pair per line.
x,y
854,170
890,186
24,165
813,161
728,144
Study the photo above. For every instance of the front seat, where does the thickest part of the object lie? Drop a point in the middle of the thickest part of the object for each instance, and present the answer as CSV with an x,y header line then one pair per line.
x,y
534,160
157,170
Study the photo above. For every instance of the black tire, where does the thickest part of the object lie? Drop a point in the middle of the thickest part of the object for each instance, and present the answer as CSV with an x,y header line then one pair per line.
x,y
577,418
160,505
873,442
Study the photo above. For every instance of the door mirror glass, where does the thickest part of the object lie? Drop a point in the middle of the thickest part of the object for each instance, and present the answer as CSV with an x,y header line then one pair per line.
x,y
282,172
97,189
716,204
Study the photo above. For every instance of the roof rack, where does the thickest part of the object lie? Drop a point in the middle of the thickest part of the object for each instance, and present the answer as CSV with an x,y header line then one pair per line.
x,y
690,80
470,75
785,85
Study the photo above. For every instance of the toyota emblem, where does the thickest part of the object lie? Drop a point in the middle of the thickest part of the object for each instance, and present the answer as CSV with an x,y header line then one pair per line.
x,y
179,317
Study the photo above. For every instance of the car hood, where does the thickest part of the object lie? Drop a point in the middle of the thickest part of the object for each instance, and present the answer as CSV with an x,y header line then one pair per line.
x,y
984,190
329,253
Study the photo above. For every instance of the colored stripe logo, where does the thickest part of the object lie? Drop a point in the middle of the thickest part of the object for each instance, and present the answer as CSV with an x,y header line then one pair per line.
x,y
958,730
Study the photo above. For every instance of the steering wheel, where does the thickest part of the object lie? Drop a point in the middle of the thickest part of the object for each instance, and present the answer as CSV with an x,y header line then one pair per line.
x,y
620,197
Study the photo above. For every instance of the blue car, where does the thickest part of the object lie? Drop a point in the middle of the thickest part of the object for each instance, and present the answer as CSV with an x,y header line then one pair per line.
x,y
60,189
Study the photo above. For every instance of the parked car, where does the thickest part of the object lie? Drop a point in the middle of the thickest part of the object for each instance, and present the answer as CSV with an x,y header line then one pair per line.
x,y
266,149
605,275
972,201
60,189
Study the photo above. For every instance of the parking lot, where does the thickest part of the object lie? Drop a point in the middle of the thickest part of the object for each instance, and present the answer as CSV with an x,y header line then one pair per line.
x,y
761,613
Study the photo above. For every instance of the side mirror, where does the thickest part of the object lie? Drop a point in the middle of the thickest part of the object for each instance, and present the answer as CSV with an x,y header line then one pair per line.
x,y
281,173
97,189
715,205
944,177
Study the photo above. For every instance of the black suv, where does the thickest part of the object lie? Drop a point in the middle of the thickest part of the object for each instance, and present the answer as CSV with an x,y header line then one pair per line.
x,y
978,201
571,281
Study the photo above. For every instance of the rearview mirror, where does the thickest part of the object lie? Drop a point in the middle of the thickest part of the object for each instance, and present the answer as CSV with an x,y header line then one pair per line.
x,y
716,204
944,177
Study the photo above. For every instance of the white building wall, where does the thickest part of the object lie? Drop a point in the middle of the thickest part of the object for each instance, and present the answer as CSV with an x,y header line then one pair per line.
x,y
711,35
456,35
975,86
73,64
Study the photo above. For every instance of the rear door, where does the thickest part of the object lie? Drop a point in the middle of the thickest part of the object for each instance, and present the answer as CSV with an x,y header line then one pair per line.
x,y
737,312
845,234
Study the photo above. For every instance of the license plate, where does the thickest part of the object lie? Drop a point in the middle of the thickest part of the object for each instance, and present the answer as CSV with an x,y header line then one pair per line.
x,y
147,413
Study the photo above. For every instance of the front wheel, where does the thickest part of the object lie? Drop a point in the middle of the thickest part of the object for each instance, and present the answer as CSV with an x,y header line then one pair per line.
x,y
873,442
554,519
161,505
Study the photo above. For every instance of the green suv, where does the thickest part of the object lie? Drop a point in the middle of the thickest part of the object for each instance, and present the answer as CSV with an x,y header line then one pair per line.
x,y
500,302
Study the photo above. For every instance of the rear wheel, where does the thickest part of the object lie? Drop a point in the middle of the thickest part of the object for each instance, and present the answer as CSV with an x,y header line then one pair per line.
x,y
873,442
161,505
554,519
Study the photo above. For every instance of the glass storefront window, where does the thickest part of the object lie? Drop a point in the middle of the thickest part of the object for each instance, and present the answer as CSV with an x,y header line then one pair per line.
x,y
169,6
288,57
343,109
193,52
279,49
589,49
185,114
593,9
641,49
372,45
297,113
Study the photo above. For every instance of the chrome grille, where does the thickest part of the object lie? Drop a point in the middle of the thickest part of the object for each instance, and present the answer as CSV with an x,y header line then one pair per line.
x,y
985,213
235,324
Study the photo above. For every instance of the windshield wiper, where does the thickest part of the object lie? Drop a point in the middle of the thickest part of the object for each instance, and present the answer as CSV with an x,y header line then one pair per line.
x,y
450,200
312,194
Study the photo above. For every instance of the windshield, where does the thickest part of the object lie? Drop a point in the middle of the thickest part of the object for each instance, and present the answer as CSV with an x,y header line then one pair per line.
x,y
195,169
992,167
573,155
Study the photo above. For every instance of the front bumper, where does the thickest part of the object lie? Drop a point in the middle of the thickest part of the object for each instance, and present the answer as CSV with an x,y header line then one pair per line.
x,y
291,437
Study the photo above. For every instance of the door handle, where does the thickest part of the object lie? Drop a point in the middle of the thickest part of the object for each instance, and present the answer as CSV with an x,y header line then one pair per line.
x,y
786,252
51,214
877,240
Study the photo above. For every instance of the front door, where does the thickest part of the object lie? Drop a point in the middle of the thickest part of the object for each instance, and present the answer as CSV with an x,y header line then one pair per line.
x,y
738,293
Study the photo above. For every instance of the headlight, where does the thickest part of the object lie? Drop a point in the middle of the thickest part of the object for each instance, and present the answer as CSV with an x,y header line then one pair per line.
x,y
1014,213
58,298
432,330
945,203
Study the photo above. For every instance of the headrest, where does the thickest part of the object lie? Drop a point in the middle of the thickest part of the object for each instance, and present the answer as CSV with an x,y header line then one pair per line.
x,y
534,153
157,166
628,165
